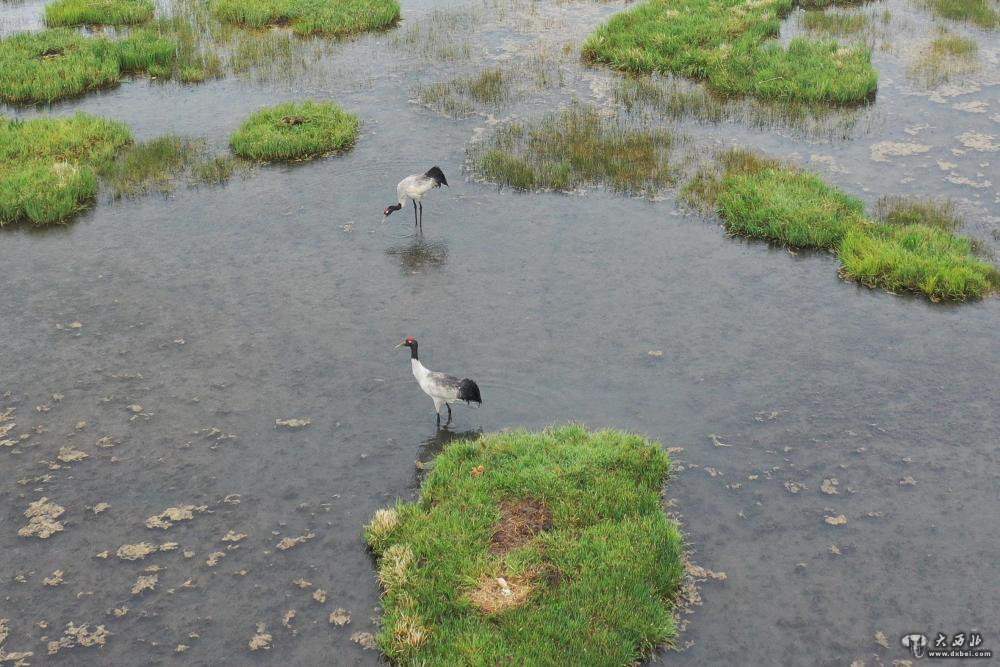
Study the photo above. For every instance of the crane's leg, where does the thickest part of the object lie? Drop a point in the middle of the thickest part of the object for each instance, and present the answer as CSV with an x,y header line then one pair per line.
x,y
414,214
421,216
449,414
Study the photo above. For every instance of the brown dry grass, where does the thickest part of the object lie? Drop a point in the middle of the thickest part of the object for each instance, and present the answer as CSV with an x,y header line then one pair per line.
x,y
496,594
520,521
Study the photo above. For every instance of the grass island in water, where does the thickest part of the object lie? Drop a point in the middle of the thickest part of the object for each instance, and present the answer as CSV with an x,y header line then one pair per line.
x,y
58,63
98,12
547,548
49,166
913,248
333,18
730,44
295,131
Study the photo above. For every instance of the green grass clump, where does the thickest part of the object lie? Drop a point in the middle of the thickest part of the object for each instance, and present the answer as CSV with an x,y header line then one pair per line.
x,y
834,23
58,63
979,12
295,131
728,43
591,579
788,207
311,17
577,147
48,166
98,12
916,258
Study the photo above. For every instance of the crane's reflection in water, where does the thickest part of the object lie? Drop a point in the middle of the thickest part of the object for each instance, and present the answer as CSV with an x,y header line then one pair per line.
x,y
419,254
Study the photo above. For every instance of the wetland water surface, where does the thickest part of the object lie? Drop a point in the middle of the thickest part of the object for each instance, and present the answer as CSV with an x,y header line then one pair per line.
x,y
163,336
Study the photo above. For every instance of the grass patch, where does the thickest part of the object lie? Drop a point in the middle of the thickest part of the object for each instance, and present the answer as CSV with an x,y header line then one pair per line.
x,y
912,249
216,170
546,548
48,166
834,23
946,56
295,131
58,63
335,18
979,12
98,12
576,147
916,258
728,44
788,207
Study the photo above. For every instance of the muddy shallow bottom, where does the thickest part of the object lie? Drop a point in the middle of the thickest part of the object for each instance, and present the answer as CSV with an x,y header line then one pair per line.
x,y
218,310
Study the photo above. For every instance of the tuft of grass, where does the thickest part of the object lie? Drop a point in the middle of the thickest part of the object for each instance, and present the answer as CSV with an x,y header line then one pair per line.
x,y
311,17
728,44
834,23
98,12
595,587
58,63
938,213
149,165
48,166
295,131
916,258
945,56
913,248
979,12
576,147
788,207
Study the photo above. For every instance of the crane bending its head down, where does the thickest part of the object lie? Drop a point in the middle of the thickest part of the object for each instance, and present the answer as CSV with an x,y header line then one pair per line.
x,y
414,187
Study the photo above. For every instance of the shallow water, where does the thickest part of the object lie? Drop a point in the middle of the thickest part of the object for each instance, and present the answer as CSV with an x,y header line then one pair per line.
x,y
280,295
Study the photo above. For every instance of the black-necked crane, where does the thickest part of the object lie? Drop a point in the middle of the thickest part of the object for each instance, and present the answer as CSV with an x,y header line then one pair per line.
x,y
442,388
414,188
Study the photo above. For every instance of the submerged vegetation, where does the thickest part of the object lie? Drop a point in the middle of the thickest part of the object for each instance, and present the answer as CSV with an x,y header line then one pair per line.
x,y
311,17
148,165
947,55
58,63
674,99
491,88
98,12
48,166
531,548
834,23
913,249
577,147
295,131
728,44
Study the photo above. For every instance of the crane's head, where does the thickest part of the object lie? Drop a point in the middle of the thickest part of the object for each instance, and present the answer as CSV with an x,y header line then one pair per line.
x,y
391,208
409,342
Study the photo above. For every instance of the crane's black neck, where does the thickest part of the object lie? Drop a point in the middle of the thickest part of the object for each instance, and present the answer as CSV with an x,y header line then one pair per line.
x,y
413,350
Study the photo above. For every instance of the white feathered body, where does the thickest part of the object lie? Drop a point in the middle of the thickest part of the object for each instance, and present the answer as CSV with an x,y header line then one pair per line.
x,y
443,388
414,187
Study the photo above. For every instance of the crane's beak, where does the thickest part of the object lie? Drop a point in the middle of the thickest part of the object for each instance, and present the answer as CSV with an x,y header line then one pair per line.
x,y
400,345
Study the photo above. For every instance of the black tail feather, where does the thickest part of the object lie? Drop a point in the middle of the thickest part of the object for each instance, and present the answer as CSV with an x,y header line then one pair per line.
x,y
437,175
468,391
